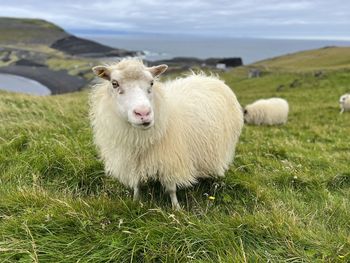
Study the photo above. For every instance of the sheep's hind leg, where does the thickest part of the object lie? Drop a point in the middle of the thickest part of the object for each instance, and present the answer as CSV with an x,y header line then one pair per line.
x,y
171,190
136,193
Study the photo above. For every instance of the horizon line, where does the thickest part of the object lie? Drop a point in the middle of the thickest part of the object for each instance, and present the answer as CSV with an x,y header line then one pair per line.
x,y
122,33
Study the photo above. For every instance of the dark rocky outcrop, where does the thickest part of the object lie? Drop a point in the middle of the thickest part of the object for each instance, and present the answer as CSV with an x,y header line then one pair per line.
x,y
5,56
319,74
295,83
82,47
231,62
187,62
280,87
178,61
27,62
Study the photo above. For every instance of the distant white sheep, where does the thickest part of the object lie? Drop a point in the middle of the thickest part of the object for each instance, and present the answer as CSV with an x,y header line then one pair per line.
x,y
271,111
344,102
175,132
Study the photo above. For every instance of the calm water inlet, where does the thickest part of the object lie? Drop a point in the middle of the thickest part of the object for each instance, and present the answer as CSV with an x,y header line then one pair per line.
x,y
16,83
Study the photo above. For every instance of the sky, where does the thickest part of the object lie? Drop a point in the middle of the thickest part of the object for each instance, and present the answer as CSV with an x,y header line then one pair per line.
x,y
300,19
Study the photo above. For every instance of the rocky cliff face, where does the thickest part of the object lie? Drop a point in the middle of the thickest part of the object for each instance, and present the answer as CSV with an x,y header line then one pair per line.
x,y
82,47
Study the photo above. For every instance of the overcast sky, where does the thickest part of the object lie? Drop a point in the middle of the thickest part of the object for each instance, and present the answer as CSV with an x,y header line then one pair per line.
x,y
240,18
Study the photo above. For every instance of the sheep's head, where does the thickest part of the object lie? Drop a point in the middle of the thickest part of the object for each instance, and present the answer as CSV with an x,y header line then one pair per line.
x,y
344,98
131,87
246,116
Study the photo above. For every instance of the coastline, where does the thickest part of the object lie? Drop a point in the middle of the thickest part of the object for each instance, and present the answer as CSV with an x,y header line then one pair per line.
x,y
251,50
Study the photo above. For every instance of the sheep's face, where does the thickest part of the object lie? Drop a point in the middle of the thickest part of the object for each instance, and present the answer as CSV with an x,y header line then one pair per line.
x,y
246,116
344,98
131,88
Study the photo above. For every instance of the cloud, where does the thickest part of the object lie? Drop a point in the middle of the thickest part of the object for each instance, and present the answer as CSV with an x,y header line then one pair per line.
x,y
251,18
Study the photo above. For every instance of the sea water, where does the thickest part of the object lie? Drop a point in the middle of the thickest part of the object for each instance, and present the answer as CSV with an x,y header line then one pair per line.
x,y
157,47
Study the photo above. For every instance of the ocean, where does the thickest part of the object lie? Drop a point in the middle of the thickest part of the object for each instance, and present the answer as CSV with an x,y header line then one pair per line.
x,y
157,47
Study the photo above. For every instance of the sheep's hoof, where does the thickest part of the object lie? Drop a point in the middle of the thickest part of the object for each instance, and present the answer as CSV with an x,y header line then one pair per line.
x,y
176,207
136,198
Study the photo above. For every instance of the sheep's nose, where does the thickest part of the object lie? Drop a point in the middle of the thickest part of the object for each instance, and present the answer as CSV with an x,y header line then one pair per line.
x,y
142,112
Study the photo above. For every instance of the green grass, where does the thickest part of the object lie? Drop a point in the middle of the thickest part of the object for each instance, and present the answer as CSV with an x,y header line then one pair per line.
x,y
285,198
72,65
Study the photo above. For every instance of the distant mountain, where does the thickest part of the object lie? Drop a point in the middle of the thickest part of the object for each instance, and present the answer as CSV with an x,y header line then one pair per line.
x,y
19,31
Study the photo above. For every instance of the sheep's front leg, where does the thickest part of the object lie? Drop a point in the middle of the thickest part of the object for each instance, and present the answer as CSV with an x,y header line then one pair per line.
x,y
136,192
171,190
342,110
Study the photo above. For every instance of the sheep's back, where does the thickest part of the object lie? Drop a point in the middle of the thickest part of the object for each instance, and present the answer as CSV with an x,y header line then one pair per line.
x,y
270,111
205,100
207,116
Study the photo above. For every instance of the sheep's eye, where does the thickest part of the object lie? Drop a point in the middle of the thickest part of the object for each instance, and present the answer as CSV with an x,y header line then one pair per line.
x,y
245,112
151,83
115,84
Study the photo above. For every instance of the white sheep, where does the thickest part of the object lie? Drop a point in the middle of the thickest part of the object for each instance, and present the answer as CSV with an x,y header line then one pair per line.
x,y
174,132
267,111
344,102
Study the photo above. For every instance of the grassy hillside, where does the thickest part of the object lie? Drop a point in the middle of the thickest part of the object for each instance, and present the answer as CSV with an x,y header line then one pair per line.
x,y
29,31
329,58
285,198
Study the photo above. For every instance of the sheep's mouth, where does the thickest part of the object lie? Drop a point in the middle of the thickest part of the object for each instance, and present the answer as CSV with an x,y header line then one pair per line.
x,y
144,125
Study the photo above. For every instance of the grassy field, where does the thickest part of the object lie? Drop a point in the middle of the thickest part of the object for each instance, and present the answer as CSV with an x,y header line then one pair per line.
x,y
284,199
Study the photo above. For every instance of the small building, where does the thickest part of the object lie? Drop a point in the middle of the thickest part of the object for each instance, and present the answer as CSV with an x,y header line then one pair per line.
x,y
221,66
231,62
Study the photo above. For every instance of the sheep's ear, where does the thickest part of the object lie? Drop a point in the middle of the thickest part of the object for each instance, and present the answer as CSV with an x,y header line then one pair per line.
x,y
102,72
157,70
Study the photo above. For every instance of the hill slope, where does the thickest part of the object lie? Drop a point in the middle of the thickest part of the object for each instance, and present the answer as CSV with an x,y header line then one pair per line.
x,y
29,31
318,59
285,198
